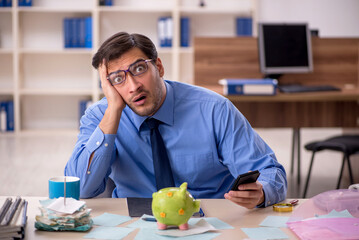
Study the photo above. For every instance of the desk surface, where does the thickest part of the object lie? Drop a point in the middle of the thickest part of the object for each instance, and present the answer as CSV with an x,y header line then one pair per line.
x,y
223,209
297,110
350,94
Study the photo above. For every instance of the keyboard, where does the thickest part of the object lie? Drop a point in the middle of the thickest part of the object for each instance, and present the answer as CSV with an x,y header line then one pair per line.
x,y
304,88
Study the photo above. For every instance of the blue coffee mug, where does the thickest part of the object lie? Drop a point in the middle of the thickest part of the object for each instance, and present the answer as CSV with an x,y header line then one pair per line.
x,y
56,187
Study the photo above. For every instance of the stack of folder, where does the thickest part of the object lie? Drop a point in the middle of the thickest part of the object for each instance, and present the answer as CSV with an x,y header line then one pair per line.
x,y
13,218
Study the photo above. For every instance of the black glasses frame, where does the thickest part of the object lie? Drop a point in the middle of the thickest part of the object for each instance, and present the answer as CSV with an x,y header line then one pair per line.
x,y
128,70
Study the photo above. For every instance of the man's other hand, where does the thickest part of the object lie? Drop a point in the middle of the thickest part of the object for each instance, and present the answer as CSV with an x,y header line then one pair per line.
x,y
249,195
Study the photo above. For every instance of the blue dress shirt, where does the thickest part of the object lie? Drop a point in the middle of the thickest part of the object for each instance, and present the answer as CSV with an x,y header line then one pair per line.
x,y
209,143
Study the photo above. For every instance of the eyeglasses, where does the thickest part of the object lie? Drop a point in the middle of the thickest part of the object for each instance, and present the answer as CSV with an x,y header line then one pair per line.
x,y
137,68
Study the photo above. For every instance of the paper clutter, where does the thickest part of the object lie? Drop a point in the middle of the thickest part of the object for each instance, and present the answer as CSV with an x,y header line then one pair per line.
x,y
56,216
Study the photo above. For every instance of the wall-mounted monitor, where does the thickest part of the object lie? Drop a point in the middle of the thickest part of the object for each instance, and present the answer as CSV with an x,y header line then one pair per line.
x,y
284,48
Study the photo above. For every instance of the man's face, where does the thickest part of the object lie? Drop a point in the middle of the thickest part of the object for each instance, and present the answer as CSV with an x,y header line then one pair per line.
x,y
144,93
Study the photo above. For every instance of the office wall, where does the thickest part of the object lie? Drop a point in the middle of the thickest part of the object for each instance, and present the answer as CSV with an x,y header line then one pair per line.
x,y
333,18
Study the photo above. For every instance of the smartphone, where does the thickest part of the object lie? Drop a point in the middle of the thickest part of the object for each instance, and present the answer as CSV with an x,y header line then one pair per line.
x,y
248,177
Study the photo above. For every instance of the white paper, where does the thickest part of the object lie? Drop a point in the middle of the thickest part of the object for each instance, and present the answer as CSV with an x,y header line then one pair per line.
x,y
72,205
201,226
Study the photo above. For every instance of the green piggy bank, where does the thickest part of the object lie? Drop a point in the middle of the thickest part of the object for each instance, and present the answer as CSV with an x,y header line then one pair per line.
x,y
174,206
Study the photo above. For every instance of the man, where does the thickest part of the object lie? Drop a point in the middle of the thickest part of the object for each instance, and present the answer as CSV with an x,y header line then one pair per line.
x,y
208,141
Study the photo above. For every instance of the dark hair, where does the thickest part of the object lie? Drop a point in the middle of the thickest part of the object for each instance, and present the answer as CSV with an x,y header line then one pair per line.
x,y
119,44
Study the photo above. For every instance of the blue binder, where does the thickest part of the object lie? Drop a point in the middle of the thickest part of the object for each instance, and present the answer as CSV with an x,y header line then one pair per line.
x,y
185,32
244,26
67,32
161,30
88,32
266,86
7,116
10,125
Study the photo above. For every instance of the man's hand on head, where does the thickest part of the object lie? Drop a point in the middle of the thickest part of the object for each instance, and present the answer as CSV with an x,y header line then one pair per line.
x,y
110,121
249,195
114,99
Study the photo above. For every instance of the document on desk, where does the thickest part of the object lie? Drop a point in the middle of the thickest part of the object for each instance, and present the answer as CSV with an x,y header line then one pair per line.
x,y
215,222
201,226
150,234
265,233
274,221
71,206
110,220
109,233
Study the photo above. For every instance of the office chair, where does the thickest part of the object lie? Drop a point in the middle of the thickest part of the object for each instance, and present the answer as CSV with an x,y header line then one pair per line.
x,y
347,144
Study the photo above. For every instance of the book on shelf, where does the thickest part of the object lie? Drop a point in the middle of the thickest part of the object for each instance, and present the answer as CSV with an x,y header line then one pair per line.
x,y
5,3
105,2
13,218
266,86
185,32
244,26
77,32
165,31
25,3
161,25
66,30
169,31
88,32
7,116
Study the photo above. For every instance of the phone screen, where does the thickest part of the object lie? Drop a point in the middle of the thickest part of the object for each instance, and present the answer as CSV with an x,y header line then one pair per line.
x,y
248,177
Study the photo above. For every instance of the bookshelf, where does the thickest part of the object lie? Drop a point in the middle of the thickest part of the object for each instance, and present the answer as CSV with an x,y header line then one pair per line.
x,y
47,81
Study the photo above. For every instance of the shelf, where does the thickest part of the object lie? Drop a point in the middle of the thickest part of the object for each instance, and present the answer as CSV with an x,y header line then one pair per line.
x,y
58,92
47,81
134,9
53,10
199,10
163,50
5,51
5,9
74,51
186,50
6,91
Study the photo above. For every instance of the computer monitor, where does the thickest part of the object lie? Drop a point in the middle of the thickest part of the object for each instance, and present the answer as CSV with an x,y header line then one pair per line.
x,y
284,48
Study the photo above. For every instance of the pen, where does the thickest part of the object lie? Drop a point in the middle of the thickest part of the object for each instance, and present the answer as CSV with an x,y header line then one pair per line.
x,y
201,213
149,219
65,191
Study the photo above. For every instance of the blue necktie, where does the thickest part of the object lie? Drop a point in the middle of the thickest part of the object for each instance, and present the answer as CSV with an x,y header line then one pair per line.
x,y
161,163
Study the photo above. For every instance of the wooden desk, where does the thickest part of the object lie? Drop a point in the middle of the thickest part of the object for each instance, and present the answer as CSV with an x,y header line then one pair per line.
x,y
298,110
225,210
335,60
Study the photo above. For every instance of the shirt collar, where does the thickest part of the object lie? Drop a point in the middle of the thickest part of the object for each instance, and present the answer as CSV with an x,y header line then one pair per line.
x,y
164,113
